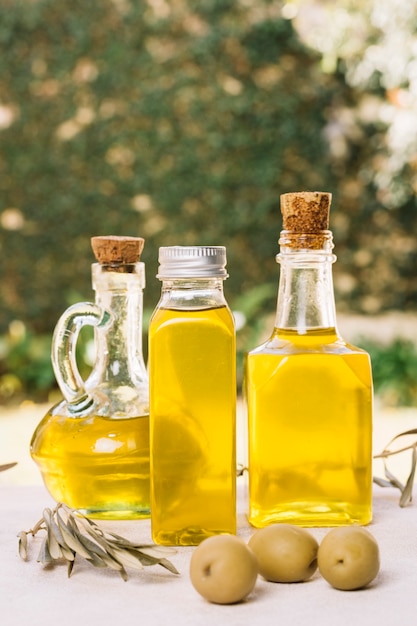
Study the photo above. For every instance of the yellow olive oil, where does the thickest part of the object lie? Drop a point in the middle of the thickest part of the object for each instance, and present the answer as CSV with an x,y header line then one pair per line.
x,y
192,424
99,465
309,400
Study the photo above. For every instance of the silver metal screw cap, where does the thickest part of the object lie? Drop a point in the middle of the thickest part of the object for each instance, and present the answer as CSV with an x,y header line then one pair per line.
x,y
192,262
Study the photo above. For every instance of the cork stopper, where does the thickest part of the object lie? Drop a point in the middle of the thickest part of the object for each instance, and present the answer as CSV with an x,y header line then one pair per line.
x,y
306,211
115,250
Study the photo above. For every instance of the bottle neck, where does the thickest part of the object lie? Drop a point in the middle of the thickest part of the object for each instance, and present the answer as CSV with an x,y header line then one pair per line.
x,y
119,354
305,296
192,293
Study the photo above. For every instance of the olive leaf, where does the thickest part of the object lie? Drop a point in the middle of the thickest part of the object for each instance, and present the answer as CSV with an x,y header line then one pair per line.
x,y
7,466
391,480
70,534
23,545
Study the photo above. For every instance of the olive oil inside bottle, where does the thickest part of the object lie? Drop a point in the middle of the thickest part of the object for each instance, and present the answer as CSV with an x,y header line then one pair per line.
x,y
309,405
98,465
192,393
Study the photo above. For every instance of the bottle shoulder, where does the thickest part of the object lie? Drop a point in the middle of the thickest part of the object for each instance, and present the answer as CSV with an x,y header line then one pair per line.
x,y
320,341
192,296
212,315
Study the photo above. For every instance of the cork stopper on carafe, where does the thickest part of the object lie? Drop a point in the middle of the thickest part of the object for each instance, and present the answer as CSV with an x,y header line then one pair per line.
x,y
115,250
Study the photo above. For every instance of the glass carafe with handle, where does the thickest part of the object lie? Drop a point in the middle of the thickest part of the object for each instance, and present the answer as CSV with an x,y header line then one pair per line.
x,y
92,448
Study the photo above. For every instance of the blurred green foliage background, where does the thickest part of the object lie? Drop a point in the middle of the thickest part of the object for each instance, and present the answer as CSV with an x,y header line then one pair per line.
x,y
183,122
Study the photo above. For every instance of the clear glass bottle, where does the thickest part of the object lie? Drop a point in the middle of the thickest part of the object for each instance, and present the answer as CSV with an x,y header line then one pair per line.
x,y
192,399
93,447
308,392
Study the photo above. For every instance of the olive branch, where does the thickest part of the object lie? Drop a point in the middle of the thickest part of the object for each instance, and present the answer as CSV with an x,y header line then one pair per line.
x,y
391,480
69,534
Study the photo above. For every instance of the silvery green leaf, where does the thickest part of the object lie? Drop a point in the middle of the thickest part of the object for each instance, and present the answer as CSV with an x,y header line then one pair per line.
x,y
96,560
393,480
99,538
92,525
123,574
53,545
148,556
128,559
23,545
70,566
7,466
91,546
72,542
120,539
156,551
381,482
168,565
112,563
146,559
67,553
53,526
44,555
97,556
407,494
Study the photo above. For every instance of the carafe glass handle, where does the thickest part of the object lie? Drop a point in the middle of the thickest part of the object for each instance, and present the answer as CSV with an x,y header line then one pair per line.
x,y
63,353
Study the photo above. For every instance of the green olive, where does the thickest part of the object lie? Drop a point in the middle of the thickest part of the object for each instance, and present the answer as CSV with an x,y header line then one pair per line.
x,y
285,553
348,557
223,569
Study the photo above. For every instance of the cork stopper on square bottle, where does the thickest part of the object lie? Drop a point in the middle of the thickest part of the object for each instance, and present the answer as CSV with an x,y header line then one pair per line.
x,y
306,211
115,250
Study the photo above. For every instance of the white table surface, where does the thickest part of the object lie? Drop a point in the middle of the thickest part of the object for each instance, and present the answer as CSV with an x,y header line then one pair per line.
x,y
32,594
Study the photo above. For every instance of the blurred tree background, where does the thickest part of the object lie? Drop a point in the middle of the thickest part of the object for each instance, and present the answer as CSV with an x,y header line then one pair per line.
x,y
183,122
